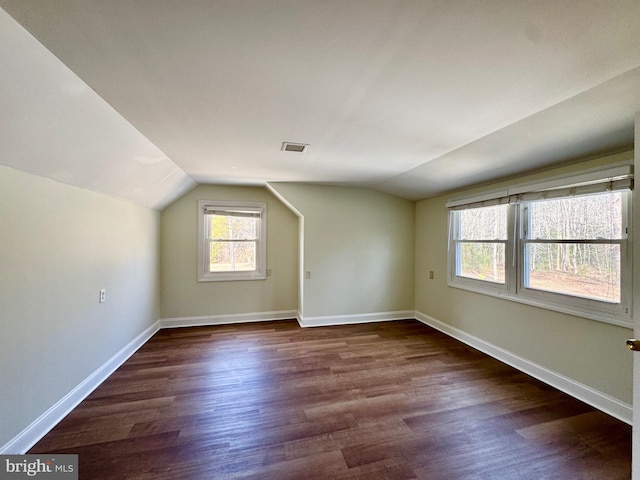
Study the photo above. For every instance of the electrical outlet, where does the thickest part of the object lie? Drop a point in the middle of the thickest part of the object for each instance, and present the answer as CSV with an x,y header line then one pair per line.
x,y
103,295
430,274
307,274
268,272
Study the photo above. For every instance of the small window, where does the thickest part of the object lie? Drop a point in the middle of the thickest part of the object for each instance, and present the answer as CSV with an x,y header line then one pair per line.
x,y
480,241
232,241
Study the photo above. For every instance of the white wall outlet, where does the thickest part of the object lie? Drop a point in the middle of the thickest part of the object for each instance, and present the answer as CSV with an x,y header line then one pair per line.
x,y
431,275
103,295
307,274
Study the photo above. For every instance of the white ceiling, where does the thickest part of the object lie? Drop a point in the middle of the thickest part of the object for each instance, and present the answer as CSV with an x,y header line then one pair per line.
x,y
54,125
410,97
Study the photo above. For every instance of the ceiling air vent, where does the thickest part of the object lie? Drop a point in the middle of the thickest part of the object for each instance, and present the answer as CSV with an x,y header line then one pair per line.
x,y
294,147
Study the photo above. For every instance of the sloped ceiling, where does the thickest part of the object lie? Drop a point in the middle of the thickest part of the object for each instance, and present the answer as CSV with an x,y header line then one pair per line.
x,y
410,97
54,125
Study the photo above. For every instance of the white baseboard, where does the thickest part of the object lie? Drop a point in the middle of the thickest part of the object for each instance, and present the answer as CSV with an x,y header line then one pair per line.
x,y
227,319
26,439
22,442
614,407
328,320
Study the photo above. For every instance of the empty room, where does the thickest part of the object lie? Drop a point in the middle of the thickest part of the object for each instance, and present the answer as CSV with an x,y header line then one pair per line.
x,y
332,239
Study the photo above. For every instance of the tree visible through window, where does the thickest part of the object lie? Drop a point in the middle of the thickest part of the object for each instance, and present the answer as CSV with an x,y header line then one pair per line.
x,y
232,241
233,238
481,240
566,247
572,246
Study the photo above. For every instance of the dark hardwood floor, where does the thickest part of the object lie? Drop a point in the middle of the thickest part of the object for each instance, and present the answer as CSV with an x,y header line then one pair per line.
x,y
393,400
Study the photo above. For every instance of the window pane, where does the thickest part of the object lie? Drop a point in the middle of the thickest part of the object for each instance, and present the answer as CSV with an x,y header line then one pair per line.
x,y
225,227
586,217
487,223
578,269
232,256
482,261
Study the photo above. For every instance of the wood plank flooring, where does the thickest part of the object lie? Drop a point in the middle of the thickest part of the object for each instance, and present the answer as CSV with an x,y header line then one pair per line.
x,y
394,400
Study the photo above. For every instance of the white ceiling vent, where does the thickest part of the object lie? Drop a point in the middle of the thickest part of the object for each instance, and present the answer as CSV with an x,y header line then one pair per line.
x,y
294,147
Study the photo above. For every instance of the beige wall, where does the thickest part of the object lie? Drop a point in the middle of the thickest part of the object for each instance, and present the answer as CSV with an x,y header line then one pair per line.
x,y
184,296
367,251
59,245
588,351
358,246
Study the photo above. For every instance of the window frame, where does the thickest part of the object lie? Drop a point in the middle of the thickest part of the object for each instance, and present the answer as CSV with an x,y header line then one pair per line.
x,y
593,307
514,288
474,284
204,273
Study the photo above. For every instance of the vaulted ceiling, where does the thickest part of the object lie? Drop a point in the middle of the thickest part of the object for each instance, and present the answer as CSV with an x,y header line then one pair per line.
x,y
413,98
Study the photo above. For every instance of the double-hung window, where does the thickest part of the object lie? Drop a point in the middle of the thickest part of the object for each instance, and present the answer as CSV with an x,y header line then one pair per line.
x,y
480,243
231,240
566,248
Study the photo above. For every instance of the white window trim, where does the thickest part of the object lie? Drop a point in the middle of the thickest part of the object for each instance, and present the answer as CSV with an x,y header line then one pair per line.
x,y
475,285
513,290
261,248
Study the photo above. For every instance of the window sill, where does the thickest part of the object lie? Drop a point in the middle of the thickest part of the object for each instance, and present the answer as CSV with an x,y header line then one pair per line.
x,y
231,277
618,320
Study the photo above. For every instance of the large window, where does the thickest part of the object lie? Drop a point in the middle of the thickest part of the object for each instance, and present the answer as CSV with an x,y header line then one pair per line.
x,y
565,248
573,246
232,241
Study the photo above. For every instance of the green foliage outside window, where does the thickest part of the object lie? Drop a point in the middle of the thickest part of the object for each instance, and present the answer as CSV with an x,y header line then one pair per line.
x,y
232,245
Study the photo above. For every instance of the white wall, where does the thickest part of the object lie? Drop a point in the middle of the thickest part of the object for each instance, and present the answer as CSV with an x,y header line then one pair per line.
x,y
59,245
358,246
587,351
183,296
